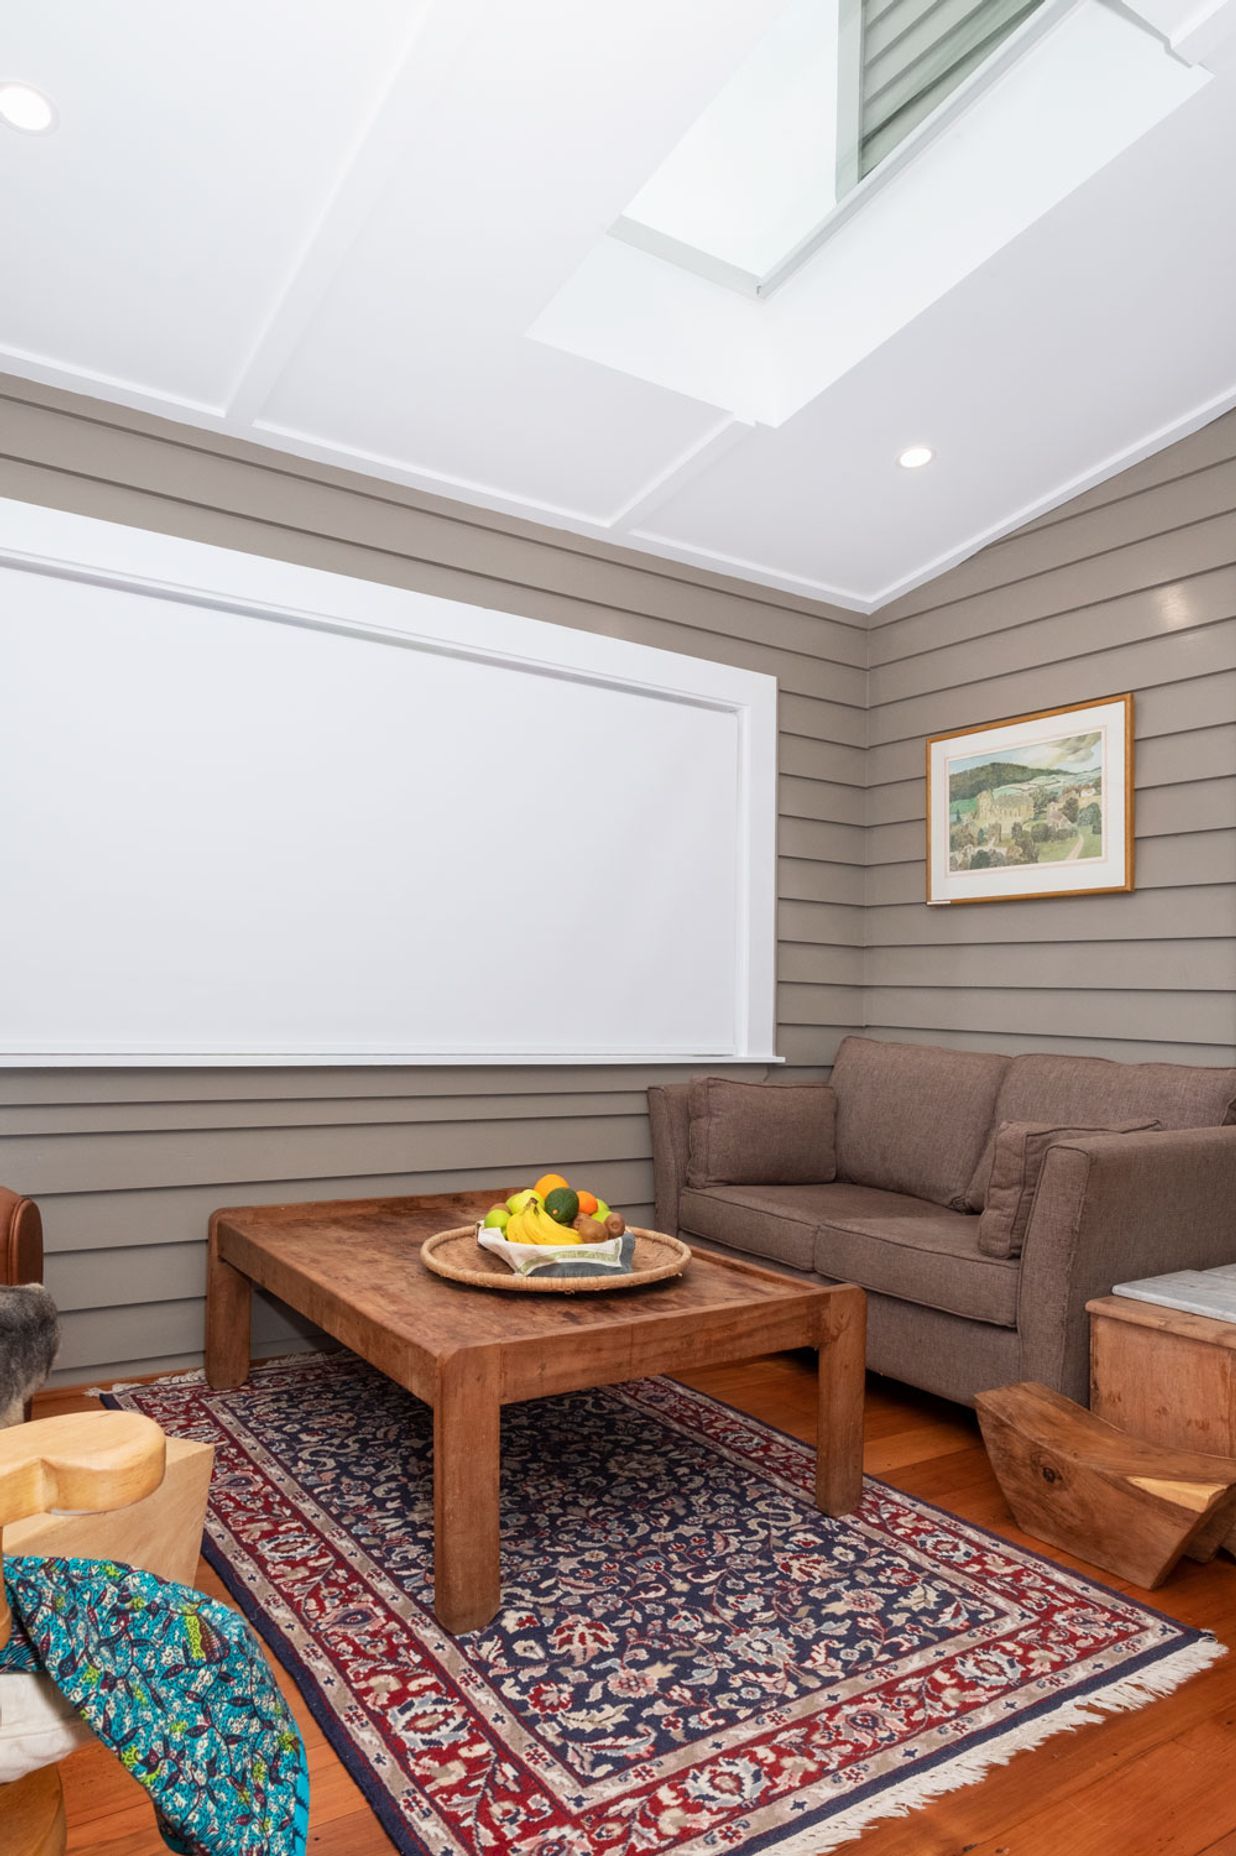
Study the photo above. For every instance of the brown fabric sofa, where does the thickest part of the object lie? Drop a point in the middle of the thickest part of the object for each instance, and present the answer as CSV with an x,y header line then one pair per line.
x,y
898,1203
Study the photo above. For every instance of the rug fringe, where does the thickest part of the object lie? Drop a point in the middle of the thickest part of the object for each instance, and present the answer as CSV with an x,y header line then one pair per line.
x,y
1120,1697
196,1375
193,1376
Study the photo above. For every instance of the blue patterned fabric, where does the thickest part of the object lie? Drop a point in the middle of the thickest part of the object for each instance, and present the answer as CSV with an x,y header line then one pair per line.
x,y
587,1266
176,1686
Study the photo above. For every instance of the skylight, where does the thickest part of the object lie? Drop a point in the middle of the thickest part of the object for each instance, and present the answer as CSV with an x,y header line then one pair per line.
x,y
835,92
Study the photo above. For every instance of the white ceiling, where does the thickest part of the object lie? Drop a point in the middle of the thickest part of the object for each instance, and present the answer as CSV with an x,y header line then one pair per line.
x,y
340,230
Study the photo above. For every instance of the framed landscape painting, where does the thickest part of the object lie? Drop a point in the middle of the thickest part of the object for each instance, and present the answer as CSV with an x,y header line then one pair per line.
x,y
1040,805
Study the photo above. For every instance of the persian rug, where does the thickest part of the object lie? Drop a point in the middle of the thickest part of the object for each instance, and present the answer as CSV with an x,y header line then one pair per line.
x,y
690,1659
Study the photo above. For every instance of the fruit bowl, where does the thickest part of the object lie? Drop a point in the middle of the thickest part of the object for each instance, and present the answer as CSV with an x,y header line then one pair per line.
x,y
455,1254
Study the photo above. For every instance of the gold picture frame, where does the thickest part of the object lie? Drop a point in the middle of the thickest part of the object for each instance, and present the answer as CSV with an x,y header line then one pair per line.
x,y
1027,794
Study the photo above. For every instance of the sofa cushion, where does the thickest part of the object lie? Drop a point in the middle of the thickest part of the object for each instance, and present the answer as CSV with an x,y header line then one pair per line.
x,y
919,1253
1017,1160
1069,1091
913,1118
885,1241
749,1134
776,1223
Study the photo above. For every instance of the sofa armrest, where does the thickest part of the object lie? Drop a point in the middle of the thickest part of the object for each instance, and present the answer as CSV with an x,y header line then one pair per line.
x,y
1112,1208
669,1111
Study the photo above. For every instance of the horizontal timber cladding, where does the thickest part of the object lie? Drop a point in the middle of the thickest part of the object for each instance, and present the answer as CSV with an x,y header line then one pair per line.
x,y
1131,586
1169,665
128,1165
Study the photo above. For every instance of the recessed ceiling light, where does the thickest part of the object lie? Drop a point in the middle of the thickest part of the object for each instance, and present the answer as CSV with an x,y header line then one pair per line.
x,y
916,457
24,107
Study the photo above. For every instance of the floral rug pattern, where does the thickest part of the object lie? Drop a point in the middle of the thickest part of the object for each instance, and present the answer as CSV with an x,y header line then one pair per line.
x,y
690,1660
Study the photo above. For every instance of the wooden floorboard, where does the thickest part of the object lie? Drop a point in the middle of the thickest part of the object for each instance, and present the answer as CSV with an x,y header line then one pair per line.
x,y
1157,1782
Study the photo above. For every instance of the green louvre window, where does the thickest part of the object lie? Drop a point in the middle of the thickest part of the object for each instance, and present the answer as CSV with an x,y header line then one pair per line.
x,y
833,98
911,54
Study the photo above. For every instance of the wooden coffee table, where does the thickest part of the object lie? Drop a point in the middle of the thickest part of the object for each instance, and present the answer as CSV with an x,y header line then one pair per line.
x,y
353,1267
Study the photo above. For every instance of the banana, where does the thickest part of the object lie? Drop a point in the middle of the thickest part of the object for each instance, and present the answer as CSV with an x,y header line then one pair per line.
x,y
533,1225
547,1229
542,1229
517,1230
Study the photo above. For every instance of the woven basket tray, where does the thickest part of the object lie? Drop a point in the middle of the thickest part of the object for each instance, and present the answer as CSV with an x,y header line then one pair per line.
x,y
457,1256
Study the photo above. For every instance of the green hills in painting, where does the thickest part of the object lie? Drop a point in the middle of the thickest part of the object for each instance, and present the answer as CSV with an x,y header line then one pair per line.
x,y
995,773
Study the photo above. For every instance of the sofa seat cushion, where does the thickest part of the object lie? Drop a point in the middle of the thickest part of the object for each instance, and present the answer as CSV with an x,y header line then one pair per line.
x,y
774,1224
919,1253
884,1241
913,1118
1094,1091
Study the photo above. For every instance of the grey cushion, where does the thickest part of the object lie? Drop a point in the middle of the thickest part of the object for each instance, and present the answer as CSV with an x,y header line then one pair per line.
x,y
885,1241
774,1222
745,1134
919,1253
1070,1091
913,1118
1017,1161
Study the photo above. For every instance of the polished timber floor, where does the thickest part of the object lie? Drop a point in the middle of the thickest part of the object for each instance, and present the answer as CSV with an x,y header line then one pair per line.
x,y
1159,1782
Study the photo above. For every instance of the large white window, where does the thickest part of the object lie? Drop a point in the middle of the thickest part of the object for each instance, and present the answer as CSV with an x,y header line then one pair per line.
x,y
252,812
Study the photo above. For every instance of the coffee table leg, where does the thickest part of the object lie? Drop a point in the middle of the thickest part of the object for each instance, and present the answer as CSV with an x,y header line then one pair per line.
x,y
466,1447
229,1306
842,1369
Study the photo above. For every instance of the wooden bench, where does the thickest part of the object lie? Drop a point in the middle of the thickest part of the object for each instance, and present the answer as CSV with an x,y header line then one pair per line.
x,y
1077,1482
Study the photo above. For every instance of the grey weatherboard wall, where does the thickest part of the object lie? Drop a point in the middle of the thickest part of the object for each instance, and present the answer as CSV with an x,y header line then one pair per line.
x,y
1130,586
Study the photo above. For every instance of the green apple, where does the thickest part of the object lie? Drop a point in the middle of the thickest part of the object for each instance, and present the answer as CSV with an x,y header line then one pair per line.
x,y
497,1218
518,1200
602,1211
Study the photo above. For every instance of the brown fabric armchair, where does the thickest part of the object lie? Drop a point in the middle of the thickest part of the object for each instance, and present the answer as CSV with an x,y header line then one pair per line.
x,y
21,1239
903,1203
29,1328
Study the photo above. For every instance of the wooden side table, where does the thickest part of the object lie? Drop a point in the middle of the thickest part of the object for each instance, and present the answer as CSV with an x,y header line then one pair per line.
x,y
1165,1375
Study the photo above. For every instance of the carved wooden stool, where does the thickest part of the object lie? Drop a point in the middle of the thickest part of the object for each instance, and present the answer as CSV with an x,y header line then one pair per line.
x,y
1077,1482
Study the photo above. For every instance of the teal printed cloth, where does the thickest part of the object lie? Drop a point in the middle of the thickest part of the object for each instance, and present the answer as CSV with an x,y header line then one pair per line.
x,y
176,1686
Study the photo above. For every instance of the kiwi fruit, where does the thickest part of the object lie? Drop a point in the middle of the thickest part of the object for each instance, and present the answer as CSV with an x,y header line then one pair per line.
x,y
590,1231
615,1224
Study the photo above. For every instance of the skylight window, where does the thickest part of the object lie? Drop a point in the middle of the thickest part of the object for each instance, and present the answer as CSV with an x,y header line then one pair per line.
x,y
836,92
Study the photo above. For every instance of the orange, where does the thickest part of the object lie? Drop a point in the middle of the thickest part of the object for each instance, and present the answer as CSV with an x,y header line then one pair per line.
x,y
588,1202
547,1183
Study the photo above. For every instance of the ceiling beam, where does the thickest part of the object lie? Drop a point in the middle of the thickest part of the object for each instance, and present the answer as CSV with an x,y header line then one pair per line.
x,y
433,41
